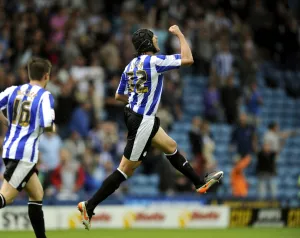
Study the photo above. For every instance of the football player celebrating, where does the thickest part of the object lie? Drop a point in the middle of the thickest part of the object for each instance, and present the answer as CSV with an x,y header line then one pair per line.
x,y
141,88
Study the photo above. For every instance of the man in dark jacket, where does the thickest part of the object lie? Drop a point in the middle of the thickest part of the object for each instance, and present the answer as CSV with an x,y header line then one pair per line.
x,y
243,138
230,96
196,137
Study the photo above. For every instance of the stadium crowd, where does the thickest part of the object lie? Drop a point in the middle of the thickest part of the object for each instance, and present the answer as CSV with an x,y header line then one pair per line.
x,y
89,44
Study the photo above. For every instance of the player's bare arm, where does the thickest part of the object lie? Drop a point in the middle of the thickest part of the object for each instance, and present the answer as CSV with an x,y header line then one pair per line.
x,y
186,53
121,98
3,119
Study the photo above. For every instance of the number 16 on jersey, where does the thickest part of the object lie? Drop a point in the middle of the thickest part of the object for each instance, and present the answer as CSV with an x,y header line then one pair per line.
x,y
21,112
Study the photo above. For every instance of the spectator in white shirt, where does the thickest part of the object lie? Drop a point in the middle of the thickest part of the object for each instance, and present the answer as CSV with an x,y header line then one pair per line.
x,y
276,138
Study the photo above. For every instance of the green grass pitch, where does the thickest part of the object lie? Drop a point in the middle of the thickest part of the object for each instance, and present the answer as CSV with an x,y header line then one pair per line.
x,y
144,233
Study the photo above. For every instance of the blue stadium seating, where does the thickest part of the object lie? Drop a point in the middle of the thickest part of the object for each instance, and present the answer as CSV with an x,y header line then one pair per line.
x,y
277,106
144,185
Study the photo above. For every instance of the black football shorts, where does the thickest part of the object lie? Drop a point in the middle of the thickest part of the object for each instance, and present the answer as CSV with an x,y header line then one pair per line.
x,y
18,172
141,130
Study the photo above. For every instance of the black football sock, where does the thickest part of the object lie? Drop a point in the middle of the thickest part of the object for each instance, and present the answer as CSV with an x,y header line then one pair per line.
x,y
109,185
36,217
2,201
183,166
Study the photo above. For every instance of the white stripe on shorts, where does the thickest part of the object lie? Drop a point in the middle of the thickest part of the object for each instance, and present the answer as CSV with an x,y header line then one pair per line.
x,y
142,136
21,171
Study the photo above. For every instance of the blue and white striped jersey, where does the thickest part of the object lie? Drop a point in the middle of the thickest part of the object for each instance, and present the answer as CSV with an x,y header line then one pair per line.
x,y
29,110
142,81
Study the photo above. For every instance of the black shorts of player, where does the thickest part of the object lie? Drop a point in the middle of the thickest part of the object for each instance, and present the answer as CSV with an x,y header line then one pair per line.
x,y
18,172
141,130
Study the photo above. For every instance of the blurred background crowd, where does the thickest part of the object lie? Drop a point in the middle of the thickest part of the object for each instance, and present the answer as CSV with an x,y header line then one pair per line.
x,y
224,110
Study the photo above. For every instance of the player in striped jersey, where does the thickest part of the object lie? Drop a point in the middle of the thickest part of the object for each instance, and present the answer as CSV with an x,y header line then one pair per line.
x,y
30,112
140,88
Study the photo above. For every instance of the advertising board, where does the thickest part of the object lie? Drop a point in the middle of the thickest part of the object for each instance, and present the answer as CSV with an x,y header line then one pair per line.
x,y
66,217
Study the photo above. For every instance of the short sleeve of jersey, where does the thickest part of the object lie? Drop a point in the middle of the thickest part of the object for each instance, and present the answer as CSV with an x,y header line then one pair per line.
x,y
164,63
4,96
47,114
122,89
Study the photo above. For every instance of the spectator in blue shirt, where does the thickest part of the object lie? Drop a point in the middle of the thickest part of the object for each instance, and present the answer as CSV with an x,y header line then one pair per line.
x,y
81,119
50,145
253,103
243,138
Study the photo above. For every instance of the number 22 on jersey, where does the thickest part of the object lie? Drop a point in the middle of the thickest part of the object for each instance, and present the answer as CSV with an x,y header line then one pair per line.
x,y
138,84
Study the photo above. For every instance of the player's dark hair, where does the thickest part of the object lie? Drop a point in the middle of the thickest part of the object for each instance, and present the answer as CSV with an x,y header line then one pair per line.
x,y
142,40
38,67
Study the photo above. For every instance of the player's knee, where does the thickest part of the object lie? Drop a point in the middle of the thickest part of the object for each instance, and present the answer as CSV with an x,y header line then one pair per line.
x,y
6,199
40,195
128,170
2,201
128,167
37,196
172,146
129,173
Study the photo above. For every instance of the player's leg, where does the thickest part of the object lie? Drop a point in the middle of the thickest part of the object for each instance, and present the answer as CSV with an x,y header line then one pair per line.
x,y
130,161
112,183
35,193
13,176
141,130
7,194
108,187
167,145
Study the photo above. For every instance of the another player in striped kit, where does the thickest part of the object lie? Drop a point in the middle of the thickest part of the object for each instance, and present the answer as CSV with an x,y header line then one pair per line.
x,y
30,112
140,88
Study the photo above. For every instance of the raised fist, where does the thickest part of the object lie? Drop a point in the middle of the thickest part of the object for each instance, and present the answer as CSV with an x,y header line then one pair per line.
x,y
174,30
